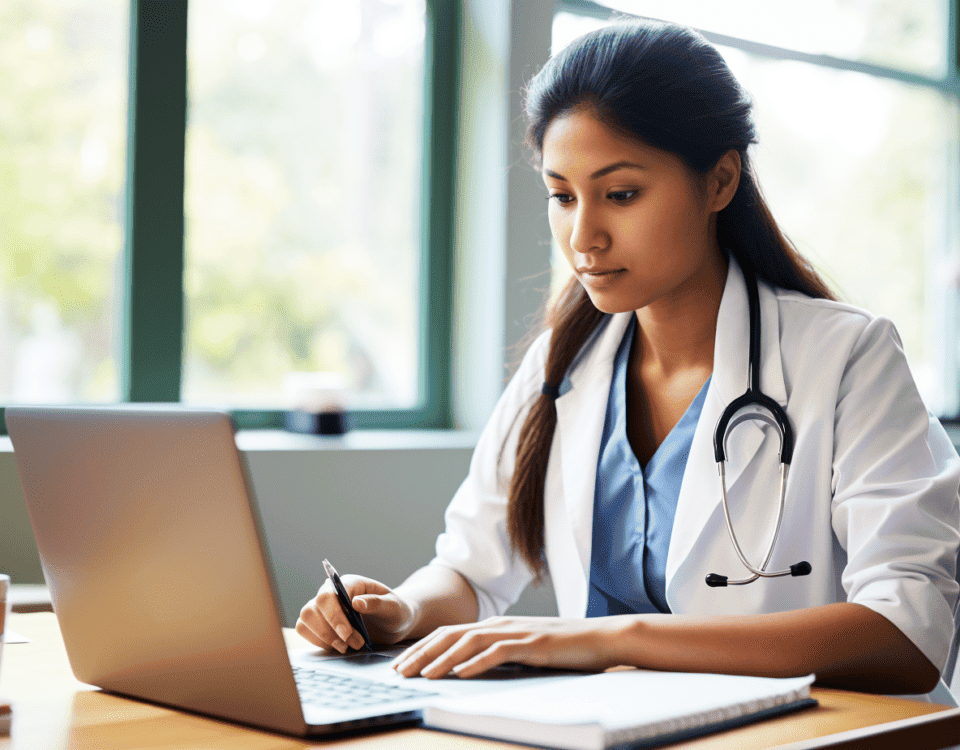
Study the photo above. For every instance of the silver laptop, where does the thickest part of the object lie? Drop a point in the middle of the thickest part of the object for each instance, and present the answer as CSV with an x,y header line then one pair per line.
x,y
157,566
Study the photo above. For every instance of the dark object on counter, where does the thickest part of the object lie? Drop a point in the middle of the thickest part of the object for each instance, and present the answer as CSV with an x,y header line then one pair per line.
x,y
317,423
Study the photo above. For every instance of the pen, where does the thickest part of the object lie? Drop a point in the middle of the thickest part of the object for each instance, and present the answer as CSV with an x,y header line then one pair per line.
x,y
352,615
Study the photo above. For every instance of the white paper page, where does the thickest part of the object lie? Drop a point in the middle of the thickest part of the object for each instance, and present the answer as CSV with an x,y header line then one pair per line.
x,y
626,698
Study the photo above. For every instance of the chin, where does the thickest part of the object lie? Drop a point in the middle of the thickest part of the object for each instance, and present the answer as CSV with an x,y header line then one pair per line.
x,y
610,304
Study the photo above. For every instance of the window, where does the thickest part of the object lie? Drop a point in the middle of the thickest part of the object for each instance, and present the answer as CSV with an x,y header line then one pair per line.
x,y
62,143
302,198
316,228
857,112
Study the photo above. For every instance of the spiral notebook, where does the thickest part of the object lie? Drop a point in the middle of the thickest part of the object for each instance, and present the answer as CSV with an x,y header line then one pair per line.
x,y
633,708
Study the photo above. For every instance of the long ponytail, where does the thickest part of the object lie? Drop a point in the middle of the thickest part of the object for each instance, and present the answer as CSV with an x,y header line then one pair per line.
x,y
571,319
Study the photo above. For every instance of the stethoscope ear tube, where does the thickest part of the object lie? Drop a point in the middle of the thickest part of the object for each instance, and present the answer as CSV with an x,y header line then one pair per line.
x,y
728,420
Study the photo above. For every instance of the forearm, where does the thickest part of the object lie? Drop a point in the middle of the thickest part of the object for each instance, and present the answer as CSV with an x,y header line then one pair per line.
x,y
438,596
847,645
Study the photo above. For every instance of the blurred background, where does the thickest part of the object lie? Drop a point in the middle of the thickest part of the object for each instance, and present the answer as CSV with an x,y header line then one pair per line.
x,y
304,156
349,195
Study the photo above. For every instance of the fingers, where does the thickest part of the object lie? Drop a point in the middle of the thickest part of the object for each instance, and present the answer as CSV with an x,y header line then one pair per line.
x,y
381,613
323,623
465,650
493,656
387,616
316,630
370,604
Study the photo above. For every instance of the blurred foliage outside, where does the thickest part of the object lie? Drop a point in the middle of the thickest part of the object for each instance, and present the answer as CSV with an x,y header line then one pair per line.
x,y
303,188
63,78
304,147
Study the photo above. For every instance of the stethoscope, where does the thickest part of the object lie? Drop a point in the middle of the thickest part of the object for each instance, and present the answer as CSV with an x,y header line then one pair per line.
x,y
778,418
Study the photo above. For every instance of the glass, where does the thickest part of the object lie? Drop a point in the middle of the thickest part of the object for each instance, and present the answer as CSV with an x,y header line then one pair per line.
x,y
63,78
860,173
303,185
906,34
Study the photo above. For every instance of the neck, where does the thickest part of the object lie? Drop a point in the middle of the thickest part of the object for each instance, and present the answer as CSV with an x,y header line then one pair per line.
x,y
677,332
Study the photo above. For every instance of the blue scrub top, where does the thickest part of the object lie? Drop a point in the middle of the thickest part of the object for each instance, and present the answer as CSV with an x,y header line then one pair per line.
x,y
634,506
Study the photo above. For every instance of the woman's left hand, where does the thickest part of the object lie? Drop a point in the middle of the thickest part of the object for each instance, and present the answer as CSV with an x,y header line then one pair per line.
x,y
469,650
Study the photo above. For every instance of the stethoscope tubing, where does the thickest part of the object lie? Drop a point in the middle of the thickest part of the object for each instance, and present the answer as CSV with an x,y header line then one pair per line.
x,y
761,571
777,418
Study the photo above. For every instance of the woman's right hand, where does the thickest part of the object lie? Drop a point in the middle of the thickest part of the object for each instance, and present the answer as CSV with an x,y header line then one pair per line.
x,y
386,615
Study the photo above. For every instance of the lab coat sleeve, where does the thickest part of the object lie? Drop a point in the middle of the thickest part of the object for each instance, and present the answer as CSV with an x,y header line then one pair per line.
x,y
895,508
475,541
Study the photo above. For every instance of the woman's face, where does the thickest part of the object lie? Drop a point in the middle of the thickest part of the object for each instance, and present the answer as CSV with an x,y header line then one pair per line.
x,y
634,222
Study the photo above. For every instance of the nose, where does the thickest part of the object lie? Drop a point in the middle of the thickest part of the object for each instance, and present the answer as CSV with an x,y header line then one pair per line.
x,y
589,233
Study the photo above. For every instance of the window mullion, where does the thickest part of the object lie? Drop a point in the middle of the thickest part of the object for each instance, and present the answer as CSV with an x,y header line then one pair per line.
x,y
152,320
439,206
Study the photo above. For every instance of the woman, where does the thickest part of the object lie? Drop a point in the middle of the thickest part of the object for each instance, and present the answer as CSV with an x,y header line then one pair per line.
x,y
597,465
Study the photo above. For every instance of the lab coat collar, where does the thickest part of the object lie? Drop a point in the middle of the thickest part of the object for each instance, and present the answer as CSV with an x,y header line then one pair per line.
x,y
580,417
582,408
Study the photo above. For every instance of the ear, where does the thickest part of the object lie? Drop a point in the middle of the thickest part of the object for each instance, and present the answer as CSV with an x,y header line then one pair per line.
x,y
723,180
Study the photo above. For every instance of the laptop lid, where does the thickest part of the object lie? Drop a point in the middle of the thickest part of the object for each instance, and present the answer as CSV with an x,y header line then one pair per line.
x,y
153,554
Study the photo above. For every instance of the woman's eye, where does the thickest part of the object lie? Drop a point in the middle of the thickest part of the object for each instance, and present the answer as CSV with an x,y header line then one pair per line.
x,y
561,198
622,196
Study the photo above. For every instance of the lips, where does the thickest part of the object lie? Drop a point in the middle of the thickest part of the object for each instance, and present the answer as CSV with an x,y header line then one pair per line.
x,y
598,278
598,271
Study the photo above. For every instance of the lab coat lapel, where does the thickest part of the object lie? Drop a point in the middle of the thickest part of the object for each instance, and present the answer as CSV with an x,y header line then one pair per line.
x,y
580,419
700,490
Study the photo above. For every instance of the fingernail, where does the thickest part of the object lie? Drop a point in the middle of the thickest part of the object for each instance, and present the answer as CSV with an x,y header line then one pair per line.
x,y
343,632
340,646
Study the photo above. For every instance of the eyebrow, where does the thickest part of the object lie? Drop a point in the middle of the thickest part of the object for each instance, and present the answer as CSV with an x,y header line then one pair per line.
x,y
600,172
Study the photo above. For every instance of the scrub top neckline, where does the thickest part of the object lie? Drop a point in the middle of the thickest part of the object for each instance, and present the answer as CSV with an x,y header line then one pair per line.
x,y
620,393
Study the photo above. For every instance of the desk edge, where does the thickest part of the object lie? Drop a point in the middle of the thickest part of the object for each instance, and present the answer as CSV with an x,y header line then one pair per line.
x,y
840,739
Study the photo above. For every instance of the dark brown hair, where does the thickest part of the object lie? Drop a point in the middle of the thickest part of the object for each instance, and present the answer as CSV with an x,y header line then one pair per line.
x,y
667,87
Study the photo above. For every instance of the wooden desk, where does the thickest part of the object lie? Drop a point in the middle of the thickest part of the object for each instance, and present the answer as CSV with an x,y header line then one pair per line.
x,y
52,710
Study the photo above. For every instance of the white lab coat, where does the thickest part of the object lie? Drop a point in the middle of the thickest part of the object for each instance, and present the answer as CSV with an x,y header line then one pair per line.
x,y
871,494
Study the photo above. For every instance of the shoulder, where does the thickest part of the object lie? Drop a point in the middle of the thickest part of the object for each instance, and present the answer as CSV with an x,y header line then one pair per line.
x,y
798,306
812,324
829,349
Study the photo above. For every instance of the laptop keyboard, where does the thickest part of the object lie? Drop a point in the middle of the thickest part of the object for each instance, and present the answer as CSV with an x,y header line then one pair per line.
x,y
334,690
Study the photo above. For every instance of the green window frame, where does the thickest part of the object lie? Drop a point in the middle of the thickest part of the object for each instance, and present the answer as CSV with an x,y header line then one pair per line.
x,y
152,303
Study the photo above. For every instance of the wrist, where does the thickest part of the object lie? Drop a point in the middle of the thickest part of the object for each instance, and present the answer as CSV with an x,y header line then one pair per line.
x,y
628,639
